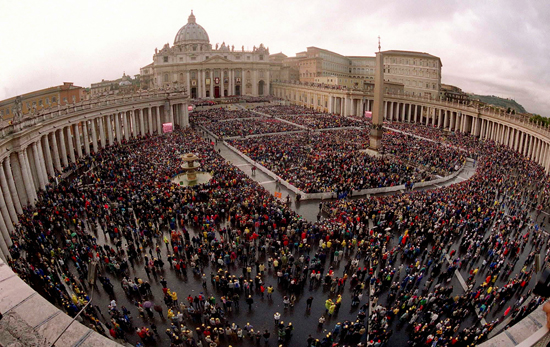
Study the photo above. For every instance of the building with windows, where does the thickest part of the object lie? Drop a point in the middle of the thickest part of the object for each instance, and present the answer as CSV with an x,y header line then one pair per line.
x,y
206,71
419,72
33,102
123,85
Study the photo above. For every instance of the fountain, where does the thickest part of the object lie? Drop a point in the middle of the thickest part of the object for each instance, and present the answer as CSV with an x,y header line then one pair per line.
x,y
190,176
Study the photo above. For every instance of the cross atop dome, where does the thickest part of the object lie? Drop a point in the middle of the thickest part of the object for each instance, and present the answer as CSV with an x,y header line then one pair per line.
x,y
191,18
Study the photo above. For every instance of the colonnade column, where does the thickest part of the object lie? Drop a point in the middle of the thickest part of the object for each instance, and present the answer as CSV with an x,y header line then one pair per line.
x,y
141,123
159,122
41,179
27,179
11,184
56,161
48,155
125,125
71,144
77,140
110,130
101,124
150,120
64,159
12,202
94,135
42,162
117,127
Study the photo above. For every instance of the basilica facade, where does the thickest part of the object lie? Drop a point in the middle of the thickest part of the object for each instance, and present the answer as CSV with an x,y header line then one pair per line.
x,y
206,71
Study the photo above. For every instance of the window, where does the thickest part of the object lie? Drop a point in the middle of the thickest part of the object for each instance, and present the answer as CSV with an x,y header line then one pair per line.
x,y
54,99
65,100
193,58
206,58
165,59
40,103
181,59
248,58
165,77
47,101
28,105
261,57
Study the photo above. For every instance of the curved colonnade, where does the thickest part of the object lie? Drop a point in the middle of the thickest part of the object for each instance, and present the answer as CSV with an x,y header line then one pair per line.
x,y
39,149
528,139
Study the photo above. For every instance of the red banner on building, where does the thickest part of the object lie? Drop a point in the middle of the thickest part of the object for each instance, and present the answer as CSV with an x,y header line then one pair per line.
x,y
167,127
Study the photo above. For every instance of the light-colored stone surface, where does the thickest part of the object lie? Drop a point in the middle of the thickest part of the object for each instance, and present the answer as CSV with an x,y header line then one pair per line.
x,y
30,320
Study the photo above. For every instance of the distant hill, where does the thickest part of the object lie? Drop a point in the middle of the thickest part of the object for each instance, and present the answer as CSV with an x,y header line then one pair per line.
x,y
497,101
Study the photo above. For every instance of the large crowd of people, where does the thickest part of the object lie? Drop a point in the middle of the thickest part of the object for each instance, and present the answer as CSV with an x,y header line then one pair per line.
x,y
244,128
333,161
392,259
321,120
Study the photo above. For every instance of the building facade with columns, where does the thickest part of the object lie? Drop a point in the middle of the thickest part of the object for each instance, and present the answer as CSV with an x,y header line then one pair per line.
x,y
206,71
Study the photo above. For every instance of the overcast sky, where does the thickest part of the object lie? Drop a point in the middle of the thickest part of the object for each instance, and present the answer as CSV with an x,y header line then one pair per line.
x,y
486,47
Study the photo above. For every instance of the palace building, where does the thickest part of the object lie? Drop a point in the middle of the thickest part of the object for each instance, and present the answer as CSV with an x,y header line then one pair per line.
x,y
206,71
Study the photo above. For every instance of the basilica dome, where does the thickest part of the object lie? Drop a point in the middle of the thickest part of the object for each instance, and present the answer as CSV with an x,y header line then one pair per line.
x,y
191,33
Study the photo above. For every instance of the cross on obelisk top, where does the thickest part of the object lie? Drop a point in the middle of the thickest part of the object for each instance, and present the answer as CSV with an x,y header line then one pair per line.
x,y
378,43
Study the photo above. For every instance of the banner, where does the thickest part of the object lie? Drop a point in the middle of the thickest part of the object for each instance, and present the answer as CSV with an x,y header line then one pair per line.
x,y
167,127
278,195
368,114
190,108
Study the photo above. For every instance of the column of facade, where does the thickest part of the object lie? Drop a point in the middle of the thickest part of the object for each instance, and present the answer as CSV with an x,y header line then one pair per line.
x,y
159,121
36,157
33,175
27,178
12,203
109,130
48,155
78,141
56,159
141,123
101,125
520,143
10,182
86,137
94,135
409,113
118,128
63,148
537,149
150,121
6,219
5,241
42,161
125,126
71,144
17,177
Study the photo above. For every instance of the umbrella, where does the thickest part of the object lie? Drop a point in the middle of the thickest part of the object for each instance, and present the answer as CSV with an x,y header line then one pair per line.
x,y
147,304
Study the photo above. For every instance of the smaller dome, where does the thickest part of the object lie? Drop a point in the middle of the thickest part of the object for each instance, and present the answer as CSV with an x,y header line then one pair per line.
x,y
191,33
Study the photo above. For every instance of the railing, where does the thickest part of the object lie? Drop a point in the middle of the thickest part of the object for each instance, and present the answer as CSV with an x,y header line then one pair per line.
x,y
92,104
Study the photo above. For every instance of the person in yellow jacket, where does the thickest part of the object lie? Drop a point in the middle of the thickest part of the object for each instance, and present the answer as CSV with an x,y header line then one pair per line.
x,y
174,296
328,303
331,310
